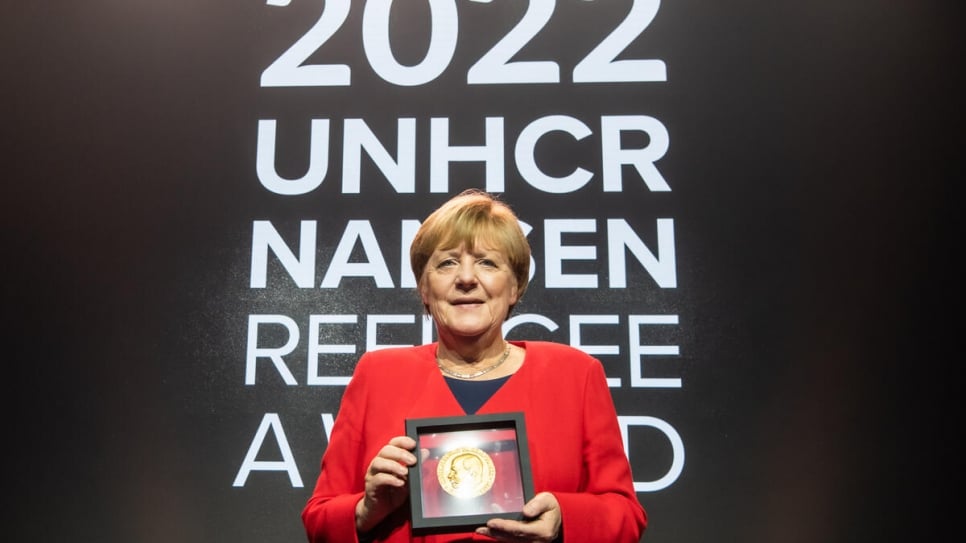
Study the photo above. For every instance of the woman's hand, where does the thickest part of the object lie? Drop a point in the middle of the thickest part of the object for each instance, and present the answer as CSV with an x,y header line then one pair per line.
x,y
386,483
542,523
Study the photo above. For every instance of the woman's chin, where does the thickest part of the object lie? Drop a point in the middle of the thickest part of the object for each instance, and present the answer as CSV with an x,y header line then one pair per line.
x,y
469,330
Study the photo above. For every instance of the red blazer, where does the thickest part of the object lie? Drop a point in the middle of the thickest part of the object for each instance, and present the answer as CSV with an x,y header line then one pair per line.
x,y
575,444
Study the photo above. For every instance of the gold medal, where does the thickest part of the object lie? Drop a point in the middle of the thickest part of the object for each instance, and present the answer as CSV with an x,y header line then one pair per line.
x,y
466,472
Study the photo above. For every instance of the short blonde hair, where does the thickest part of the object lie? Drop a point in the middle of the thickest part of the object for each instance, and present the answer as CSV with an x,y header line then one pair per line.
x,y
472,217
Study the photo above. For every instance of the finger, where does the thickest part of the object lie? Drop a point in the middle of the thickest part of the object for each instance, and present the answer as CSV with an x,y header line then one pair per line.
x,y
540,504
484,530
403,442
509,532
511,528
385,480
398,455
388,466
542,522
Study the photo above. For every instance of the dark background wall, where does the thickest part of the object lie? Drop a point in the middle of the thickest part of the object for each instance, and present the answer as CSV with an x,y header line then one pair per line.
x,y
814,149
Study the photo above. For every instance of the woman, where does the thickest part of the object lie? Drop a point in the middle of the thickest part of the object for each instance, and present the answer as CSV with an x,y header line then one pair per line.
x,y
472,263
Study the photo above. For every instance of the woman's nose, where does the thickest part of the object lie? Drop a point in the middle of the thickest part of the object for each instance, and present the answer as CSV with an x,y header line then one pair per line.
x,y
465,274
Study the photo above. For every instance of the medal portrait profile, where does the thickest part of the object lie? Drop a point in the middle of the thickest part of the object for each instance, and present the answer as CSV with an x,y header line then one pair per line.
x,y
466,472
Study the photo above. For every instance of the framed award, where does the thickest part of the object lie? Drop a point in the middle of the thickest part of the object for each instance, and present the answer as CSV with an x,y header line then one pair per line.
x,y
469,469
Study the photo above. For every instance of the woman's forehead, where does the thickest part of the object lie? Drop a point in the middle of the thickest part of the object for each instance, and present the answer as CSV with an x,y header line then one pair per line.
x,y
478,245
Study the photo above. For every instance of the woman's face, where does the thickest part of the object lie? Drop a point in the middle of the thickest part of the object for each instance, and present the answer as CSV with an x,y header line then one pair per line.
x,y
468,293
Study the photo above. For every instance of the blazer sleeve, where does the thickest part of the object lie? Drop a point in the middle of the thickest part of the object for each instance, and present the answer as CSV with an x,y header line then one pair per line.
x,y
329,514
607,509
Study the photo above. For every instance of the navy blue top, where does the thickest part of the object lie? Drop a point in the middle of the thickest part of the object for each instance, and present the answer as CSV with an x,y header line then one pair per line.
x,y
473,394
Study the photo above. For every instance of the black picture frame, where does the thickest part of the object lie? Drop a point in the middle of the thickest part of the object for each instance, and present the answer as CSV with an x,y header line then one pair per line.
x,y
469,469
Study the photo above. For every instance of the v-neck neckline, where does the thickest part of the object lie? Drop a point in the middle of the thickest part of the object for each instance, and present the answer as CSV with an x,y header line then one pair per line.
x,y
441,379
